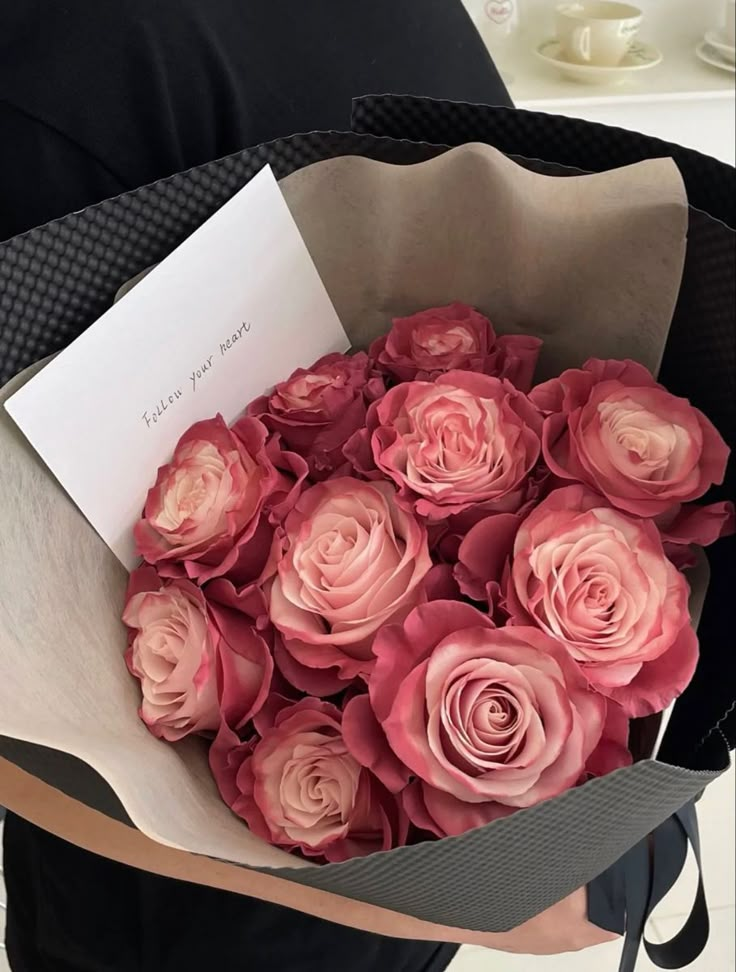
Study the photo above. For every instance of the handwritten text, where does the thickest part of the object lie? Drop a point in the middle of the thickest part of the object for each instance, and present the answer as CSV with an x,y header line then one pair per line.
x,y
227,344
156,413
151,416
199,373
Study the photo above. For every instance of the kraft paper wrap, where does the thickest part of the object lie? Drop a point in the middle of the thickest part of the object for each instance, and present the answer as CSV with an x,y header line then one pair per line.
x,y
592,264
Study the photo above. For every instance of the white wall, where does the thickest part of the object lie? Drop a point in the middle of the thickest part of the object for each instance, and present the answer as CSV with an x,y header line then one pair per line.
x,y
706,122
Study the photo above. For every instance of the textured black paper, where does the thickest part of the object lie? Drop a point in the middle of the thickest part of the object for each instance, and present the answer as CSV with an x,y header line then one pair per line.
x,y
57,279
711,185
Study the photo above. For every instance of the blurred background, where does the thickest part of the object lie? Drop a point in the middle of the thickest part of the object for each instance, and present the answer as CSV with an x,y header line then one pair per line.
x,y
688,97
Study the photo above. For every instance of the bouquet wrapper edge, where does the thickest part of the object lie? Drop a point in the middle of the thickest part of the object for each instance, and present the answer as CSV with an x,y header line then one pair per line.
x,y
430,878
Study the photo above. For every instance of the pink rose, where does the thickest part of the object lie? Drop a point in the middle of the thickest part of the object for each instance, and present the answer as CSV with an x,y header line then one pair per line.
x,y
612,752
464,440
201,656
300,788
687,524
317,409
483,556
425,345
446,536
487,719
354,561
612,427
600,581
207,503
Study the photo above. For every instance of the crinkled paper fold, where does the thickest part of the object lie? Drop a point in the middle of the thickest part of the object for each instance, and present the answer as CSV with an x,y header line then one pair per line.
x,y
592,264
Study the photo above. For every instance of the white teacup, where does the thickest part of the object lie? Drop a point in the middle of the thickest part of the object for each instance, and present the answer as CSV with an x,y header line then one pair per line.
x,y
596,33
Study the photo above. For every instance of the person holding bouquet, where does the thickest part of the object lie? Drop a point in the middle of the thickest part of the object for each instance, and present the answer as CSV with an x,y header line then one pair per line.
x,y
95,99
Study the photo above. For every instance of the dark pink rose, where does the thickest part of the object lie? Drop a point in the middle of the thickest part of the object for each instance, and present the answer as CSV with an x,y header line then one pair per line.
x,y
201,656
299,787
600,582
462,441
317,409
484,555
320,682
431,342
210,501
612,427
689,524
446,536
487,719
440,584
612,752
354,561
440,814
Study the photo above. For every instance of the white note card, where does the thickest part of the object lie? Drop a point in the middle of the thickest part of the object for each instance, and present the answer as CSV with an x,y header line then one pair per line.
x,y
232,311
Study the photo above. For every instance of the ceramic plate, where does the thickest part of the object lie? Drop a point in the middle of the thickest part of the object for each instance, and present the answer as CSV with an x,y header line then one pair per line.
x,y
640,56
716,40
711,56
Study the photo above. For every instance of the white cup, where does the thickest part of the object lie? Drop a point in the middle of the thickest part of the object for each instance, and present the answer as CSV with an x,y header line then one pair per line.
x,y
494,18
729,23
596,33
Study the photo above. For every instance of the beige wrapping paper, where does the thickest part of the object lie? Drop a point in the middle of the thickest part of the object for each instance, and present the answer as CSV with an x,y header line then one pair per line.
x,y
592,264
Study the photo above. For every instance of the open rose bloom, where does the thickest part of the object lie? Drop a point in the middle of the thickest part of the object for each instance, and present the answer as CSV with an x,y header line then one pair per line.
x,y
469,591
402,628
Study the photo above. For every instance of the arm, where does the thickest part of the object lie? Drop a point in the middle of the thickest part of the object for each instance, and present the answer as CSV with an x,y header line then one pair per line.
x,y
562,928
44,174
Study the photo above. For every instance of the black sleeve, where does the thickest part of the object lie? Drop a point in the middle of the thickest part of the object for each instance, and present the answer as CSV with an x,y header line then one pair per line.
x,y
45,174
101,96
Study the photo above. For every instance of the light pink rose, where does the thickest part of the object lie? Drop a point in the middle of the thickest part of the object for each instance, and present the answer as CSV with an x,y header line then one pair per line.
x,y
201,656
211,501
300,788
464,440
354,561
612,427
317,409
487,719
600,582
426,344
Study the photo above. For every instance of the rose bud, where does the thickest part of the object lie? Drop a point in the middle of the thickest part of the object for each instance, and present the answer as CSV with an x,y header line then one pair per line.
x,y
317,409
456,337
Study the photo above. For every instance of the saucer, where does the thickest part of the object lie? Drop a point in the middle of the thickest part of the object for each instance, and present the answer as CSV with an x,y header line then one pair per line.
x,y
640,56
713,57
716,40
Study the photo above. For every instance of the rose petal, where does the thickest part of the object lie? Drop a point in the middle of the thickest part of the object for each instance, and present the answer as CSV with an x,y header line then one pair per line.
x,y
661,681
612,751
367,741
483,554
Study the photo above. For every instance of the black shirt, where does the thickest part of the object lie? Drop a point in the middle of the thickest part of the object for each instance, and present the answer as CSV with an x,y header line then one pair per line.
x,y
101,96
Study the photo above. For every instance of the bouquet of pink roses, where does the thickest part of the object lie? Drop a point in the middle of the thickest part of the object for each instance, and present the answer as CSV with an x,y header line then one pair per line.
x,y
409,592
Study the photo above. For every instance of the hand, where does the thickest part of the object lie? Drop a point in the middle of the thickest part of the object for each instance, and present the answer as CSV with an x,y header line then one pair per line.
x,y
562,928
